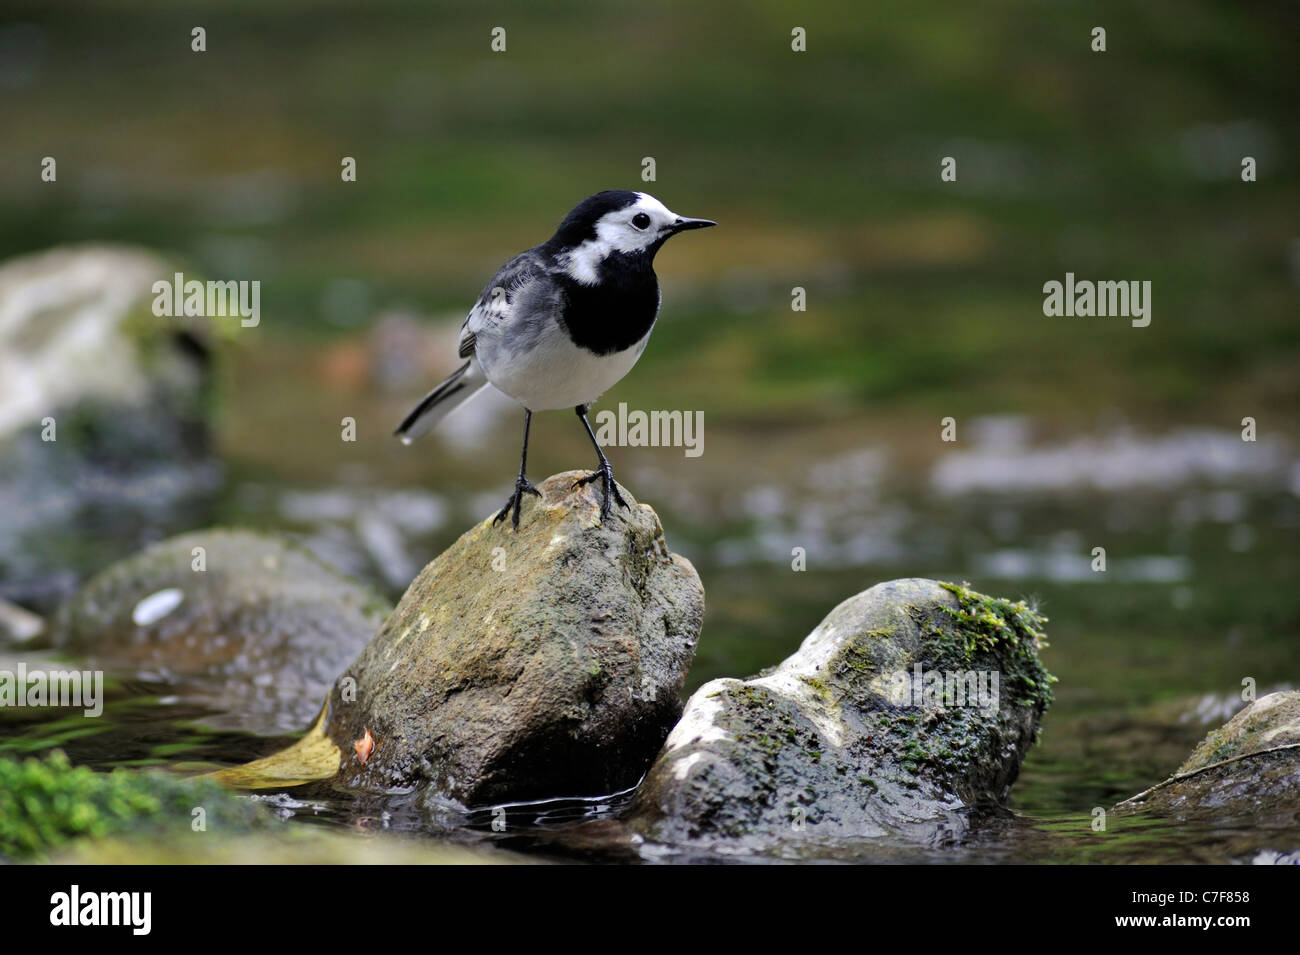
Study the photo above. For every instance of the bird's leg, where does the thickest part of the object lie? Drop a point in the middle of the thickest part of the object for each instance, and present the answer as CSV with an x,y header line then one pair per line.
x,y
603,471
522,484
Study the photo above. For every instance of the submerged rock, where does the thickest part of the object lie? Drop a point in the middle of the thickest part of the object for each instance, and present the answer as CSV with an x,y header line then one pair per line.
x,y
103,415
287,844
1248,767
525,664
245,623
853,737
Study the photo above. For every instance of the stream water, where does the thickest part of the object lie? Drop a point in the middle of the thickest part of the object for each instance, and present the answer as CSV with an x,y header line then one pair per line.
x,y
1198,529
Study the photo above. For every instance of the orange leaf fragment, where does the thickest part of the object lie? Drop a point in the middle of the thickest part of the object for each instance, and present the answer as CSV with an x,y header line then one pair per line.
x,y
364,747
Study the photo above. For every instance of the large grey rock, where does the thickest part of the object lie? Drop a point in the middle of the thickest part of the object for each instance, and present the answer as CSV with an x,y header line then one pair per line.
x,y
103,416
1248,767
834,746
526,664
76,324
259,633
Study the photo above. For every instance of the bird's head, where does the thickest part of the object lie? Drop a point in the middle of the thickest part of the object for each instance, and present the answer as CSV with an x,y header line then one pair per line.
x,y
617,221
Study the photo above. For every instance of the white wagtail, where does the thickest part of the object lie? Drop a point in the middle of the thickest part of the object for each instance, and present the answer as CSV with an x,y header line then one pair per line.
x,y
562,322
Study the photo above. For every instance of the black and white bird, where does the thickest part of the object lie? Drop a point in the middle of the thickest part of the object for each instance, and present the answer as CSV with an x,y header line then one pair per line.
x,y
563,322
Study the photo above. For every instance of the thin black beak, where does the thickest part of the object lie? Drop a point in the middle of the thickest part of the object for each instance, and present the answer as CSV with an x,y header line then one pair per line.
x,y
684,225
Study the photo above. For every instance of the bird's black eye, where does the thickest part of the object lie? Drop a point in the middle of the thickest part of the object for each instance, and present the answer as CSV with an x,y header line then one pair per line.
x,y
640,220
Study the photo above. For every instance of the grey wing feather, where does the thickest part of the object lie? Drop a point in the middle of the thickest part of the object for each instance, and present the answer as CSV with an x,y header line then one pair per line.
x,y
467,341
496,305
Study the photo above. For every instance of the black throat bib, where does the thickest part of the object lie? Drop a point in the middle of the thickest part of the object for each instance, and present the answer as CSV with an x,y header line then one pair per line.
x,y
618,311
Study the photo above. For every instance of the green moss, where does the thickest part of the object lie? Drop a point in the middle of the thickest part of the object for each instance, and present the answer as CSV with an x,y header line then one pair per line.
x,y
1011,631
47,803
856,658
755,704
752,697
1228,741
766,724
822,689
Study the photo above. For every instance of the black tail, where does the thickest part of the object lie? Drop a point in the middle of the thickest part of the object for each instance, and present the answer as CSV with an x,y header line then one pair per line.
x,y
463,384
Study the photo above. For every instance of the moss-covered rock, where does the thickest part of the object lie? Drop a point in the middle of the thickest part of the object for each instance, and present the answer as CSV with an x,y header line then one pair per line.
x,y
46,804
1250,767
525,664
1270,722
887,721
250,624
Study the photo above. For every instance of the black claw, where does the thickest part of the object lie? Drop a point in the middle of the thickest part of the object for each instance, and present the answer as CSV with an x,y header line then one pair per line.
x,y
604,472
522,486
606,475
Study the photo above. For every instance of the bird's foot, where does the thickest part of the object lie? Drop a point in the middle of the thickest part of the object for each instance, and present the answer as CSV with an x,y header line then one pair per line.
x,y
522,486
605,474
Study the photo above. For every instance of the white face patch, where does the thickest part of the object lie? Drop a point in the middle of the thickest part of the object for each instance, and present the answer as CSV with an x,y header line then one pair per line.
x,y
631,229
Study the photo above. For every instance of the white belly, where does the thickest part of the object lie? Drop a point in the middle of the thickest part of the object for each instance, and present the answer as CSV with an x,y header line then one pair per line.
x,y
556,373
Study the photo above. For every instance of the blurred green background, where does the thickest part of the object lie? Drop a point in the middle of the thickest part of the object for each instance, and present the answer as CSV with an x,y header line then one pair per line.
x,y
823,170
